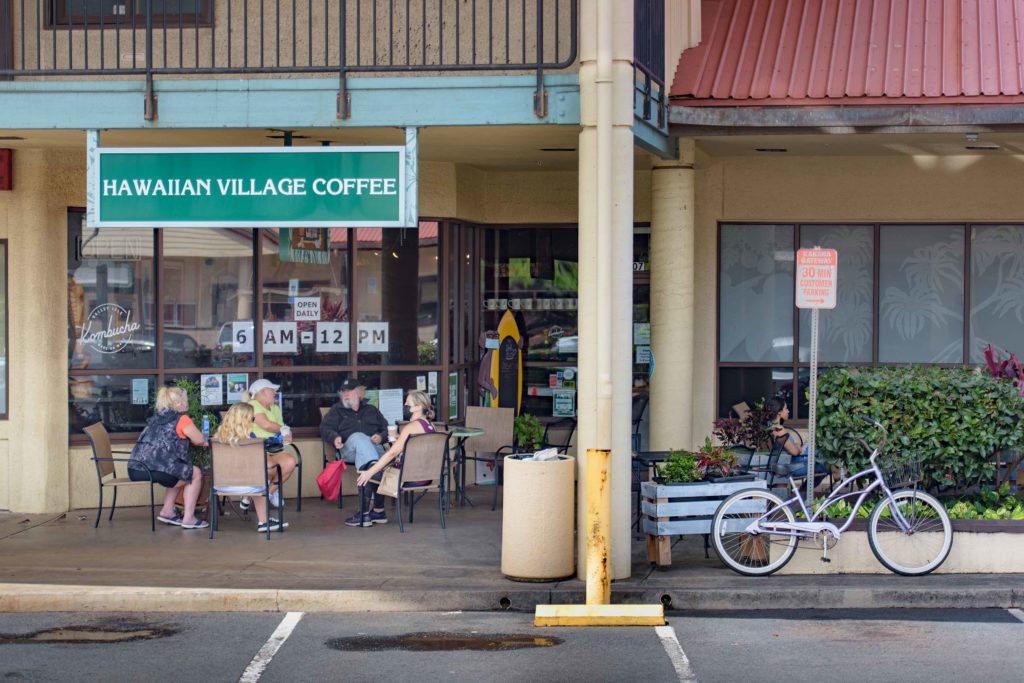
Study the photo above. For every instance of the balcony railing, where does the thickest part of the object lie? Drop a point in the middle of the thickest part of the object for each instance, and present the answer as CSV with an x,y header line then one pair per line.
x,y
44,38
649,60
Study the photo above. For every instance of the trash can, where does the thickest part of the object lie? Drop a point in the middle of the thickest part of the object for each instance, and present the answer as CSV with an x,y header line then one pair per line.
x,y
538,518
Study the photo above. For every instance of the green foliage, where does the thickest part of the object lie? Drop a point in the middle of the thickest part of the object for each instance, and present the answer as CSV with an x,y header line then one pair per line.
x,y
714,461
529,432
426,352
988,504
200,455
955,418
680,468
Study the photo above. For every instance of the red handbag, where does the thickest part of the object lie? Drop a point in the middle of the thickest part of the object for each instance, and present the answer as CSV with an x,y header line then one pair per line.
x,y
329,480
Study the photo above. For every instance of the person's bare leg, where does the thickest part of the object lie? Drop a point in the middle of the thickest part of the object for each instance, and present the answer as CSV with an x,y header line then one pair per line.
x,y
191,496
286,462
259,503
170,497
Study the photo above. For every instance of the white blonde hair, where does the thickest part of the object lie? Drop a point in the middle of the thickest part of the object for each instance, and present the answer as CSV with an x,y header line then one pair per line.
x,y
171,398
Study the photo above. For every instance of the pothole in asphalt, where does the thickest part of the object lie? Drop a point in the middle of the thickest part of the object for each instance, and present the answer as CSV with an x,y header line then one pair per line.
x,y
77,635
442,642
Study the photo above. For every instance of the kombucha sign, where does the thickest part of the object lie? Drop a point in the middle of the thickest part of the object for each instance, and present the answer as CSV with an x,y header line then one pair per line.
x,y
245,187
816,278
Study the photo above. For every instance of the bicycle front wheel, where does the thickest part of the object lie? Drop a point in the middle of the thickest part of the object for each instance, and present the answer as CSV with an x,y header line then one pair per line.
x,y
752,554
921,548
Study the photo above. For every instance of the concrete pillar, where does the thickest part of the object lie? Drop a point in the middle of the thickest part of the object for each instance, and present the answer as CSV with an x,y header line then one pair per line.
x,y
606,290
38,355
672,269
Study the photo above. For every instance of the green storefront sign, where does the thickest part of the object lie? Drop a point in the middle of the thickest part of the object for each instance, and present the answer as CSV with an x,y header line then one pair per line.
x,y
248,187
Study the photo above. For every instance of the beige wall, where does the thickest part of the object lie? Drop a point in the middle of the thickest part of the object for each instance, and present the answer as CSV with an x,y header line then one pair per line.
x,y
851,188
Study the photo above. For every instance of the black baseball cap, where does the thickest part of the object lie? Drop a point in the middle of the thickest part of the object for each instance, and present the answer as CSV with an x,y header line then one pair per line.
x,y
349,385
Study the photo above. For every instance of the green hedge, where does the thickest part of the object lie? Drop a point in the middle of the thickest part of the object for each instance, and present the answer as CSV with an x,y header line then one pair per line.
x,y
955,418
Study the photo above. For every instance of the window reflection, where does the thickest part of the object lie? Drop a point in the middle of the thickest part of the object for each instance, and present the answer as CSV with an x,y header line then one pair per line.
x,y
111,321
207,286
305,296
398,295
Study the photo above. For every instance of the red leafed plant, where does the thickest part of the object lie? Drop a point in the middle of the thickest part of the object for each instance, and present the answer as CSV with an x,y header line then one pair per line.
x,y
1005,368
715,461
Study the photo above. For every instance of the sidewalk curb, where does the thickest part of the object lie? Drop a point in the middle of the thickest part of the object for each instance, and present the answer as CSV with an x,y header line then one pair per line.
x,y
71,598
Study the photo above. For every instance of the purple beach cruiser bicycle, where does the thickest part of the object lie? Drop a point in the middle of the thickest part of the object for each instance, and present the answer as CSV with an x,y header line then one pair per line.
x,y
755,532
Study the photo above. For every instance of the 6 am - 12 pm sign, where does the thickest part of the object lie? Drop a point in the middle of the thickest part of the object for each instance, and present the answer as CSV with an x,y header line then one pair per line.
x,y
229,187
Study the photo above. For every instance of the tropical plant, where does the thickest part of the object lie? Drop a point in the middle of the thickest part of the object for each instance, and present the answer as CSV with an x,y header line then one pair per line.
x,y
752,431
953,418
528,431
1005,368
714,461
680,468
196,411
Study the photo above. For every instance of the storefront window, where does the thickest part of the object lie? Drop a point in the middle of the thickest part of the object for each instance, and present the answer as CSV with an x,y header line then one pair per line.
x,y
901,299
207,285
397,293
756,293
997,289
845,332
111,317
121,402
921,288
305,296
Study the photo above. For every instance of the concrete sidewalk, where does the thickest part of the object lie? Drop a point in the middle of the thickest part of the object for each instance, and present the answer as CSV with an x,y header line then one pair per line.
x,y
60,563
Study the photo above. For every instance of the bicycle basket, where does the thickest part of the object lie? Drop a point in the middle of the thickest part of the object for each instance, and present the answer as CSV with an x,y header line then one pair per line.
x,y
900,469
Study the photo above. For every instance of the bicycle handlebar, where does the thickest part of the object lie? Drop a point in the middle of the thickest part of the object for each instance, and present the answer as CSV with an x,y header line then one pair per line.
x,y
878,425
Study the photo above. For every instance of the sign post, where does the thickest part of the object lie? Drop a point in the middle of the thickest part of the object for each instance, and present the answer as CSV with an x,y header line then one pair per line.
x,y
816,272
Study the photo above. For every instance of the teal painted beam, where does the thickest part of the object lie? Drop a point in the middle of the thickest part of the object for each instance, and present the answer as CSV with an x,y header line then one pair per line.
x,y
416,101
650,139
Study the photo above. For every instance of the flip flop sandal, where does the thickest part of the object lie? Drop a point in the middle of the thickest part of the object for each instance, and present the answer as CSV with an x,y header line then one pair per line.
x,y
173,521
201,524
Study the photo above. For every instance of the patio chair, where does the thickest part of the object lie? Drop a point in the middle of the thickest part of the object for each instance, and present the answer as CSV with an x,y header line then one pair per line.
x,y
558,434
103,457
239,471
422,470
498,425
639,408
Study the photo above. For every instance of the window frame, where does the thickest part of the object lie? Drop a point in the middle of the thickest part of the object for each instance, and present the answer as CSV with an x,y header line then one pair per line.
x,y
6,413
794,364
57,17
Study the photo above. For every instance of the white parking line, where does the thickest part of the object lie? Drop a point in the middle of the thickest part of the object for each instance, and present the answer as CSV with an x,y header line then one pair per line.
x,y
680,662
1017,613
259,663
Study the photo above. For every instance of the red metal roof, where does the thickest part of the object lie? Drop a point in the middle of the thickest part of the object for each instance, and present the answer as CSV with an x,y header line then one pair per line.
x,y
826,52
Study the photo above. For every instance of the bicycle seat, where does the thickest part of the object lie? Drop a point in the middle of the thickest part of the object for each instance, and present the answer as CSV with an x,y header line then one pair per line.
x,y
783,470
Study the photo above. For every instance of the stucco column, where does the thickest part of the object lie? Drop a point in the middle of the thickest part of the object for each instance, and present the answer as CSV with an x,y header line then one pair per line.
x,y
38,355
672,272
605,253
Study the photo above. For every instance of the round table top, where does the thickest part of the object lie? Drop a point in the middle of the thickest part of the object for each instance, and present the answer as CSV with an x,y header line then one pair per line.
x,y
466,431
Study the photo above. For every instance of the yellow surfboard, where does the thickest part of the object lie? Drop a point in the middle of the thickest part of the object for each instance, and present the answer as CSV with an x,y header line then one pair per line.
x,y
507,365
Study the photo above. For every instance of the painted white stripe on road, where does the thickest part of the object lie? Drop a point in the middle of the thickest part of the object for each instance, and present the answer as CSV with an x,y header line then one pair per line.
x,y
259,663
1017,613
680,662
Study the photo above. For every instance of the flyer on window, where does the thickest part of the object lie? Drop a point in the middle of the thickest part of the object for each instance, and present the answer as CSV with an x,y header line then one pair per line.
x,y
238,382
212,391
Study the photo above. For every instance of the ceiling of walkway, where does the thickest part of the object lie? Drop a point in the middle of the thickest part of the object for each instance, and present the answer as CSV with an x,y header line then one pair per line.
x,y
867,144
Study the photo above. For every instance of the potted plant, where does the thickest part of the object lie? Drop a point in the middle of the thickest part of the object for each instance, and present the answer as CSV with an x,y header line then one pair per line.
x,y
686,493
528,432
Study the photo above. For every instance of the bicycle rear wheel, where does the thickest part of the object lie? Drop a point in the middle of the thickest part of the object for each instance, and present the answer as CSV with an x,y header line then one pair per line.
x,y
924,546
752,554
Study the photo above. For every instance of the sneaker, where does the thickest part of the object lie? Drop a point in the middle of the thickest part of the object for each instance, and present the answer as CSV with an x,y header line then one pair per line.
x,y
245,503
275,520
273,524
275,498
376,517
359,520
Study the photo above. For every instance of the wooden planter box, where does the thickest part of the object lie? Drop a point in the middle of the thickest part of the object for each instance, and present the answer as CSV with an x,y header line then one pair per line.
x,y
682,509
